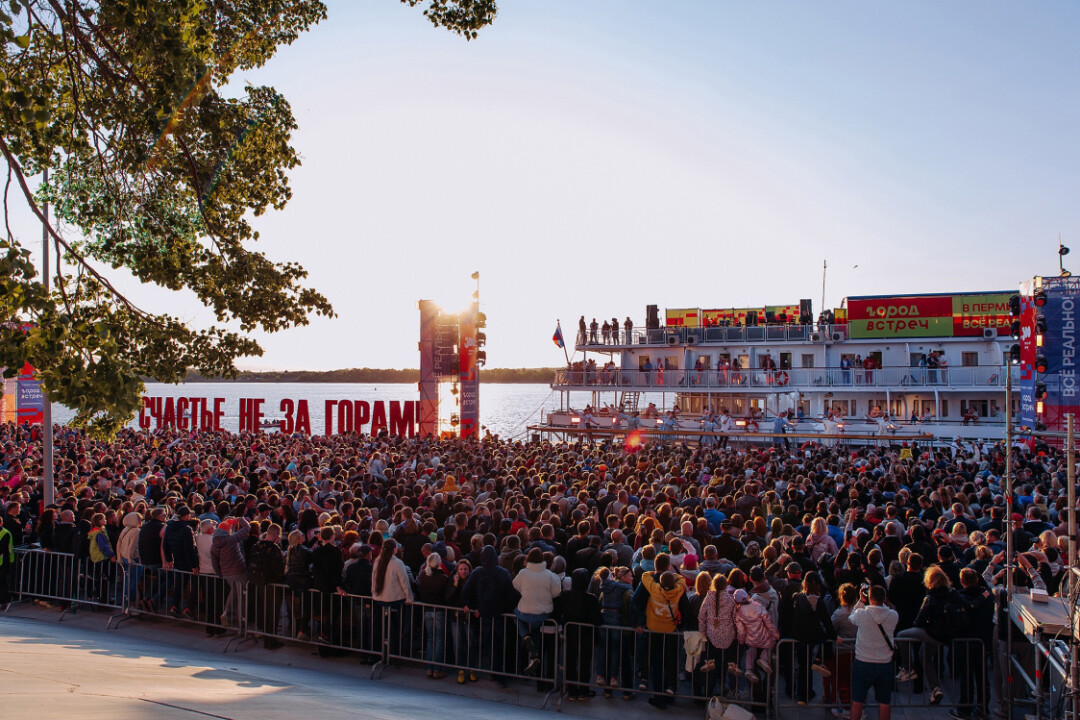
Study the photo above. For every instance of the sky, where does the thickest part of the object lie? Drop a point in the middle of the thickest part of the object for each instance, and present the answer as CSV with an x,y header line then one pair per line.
x,y
596,157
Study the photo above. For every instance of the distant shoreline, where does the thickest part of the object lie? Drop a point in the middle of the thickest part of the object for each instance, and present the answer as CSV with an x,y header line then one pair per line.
x,y
523,376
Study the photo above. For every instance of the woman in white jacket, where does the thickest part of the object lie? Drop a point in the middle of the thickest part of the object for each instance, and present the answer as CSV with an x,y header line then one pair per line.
x,y
391,589
538,587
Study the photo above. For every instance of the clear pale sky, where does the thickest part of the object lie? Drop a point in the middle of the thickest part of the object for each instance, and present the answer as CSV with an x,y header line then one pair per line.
x,y
595,157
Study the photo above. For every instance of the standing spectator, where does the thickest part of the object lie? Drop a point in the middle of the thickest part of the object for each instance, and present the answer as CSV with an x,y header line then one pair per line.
x,y
811,627
432,588
873,665
538,587
488,593
614,668
227,558
838,683
391,590
327,566
178,552
579,612
298,580
977,642
662,617
266,571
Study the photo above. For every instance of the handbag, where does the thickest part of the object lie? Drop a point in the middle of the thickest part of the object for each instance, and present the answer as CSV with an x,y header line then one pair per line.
x,y
720,710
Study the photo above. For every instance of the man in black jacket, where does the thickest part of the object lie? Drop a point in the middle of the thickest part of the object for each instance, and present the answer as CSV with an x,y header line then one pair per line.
x,y
357,583
488,593
974,641
326,568
906,592
150,537
266,573
179,553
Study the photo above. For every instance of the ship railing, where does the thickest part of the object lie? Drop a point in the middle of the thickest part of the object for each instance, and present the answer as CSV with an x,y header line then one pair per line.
x,y
689,336
783,380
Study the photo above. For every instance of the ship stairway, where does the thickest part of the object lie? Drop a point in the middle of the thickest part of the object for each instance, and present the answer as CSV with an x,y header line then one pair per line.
x,y
629,401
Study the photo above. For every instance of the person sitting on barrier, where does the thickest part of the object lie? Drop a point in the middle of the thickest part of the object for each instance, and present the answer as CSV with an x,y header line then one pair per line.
x,y
756,633
933,628
538,588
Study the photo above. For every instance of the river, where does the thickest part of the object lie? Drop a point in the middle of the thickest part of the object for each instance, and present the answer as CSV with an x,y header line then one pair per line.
x,y
505,409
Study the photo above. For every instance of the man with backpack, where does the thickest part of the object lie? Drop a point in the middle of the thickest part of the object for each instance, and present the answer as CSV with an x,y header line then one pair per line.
x,y
266,573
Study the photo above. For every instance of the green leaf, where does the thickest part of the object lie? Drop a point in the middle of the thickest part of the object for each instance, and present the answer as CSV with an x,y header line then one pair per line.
x,y
22,41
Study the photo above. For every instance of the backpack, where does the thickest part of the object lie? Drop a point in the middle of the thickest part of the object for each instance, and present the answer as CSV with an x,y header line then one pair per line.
x,y
96,554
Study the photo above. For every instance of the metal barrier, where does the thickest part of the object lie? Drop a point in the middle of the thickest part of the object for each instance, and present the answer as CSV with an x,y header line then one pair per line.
x,y
446,638
70,581
655,663
961,668
189,597
336,621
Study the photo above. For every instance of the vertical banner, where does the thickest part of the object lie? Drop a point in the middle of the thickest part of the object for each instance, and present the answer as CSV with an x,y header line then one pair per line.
x,y
1061,311
1028,416
429,382
30,403
470,376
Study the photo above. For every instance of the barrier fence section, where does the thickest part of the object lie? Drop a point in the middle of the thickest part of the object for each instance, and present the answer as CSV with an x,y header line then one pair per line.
x,y
576,659
449,639
960,668
70,581
619,660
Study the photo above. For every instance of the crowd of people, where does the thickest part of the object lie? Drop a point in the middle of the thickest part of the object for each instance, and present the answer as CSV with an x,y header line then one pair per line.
x,y
715,567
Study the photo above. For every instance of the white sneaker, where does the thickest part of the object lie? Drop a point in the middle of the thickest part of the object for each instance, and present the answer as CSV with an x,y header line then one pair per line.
x,y
765,666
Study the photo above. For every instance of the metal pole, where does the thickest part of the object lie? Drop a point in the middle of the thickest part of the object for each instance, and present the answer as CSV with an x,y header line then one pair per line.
x,y
48,494
1008,538
1074,670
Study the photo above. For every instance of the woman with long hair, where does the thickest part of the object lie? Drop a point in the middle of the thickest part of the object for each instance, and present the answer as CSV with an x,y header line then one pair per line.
x,y
716,619
391,589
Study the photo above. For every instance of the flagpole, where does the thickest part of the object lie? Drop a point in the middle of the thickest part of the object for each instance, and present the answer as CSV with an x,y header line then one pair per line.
x,y
558,324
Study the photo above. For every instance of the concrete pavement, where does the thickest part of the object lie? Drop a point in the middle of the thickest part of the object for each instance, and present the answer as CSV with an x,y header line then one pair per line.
x,y
77,669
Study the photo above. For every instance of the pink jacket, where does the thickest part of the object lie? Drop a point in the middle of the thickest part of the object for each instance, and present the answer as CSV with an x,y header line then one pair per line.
x,y
754,626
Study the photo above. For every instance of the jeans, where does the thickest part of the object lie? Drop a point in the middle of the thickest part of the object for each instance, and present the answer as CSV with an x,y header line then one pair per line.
x,y
435,638
234,603
663,649
930,650
616,647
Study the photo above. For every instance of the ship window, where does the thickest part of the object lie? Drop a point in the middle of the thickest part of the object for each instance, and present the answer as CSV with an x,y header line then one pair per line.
x,y
808,360
944,408
969,359
785,361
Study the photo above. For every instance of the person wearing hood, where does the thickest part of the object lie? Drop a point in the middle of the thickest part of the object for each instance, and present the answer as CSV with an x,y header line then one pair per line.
x,y
433,586
662,618
127,550
488,593
616,590
538,587
579,612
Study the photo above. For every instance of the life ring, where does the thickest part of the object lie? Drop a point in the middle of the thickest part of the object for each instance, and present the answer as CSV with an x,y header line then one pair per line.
x,y
782,378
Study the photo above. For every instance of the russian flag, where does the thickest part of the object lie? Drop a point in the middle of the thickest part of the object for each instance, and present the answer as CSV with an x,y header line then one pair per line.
x,y
557,338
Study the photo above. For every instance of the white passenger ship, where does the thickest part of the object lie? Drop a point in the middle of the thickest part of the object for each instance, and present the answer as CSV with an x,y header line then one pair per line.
x,y
937,367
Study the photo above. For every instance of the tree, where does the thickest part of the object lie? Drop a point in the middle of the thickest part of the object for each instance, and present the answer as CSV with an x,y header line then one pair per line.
x,y
155,173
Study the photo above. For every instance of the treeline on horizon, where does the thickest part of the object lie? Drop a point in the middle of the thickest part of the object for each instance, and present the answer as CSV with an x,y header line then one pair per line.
x,y
378,375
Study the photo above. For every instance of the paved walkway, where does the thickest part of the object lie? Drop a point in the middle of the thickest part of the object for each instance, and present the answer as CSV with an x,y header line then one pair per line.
x,y
77,669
